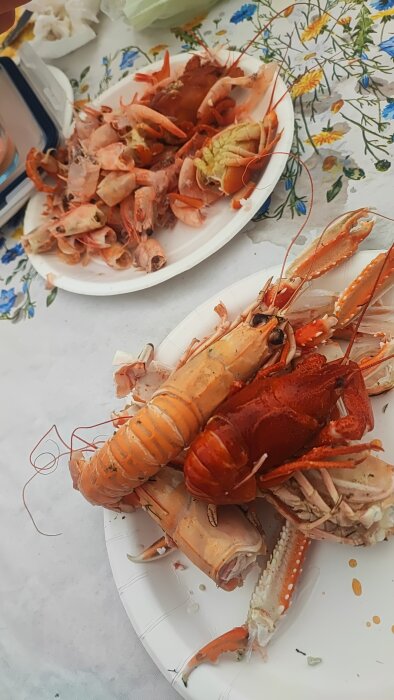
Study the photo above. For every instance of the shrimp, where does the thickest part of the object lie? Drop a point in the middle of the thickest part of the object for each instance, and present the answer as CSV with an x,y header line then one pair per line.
x,y
82,179
117,256
187,209
103,136
40,240
116,186
149,255
116,156
86,217
144,215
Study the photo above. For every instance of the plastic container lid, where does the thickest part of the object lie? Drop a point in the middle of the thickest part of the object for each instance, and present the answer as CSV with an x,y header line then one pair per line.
x,y
32,109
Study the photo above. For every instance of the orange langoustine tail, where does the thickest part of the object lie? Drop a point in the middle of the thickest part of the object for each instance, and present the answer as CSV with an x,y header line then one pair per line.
x,y
174,416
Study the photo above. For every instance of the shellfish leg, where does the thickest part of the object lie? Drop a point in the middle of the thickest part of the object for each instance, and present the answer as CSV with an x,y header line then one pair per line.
x,y
153,553
270,600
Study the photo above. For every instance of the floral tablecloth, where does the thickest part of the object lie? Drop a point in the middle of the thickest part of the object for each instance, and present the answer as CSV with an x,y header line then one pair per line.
x,y
336,57
65,629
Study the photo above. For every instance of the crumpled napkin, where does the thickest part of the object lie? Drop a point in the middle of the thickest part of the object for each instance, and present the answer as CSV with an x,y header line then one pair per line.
x,y
164,13
61,26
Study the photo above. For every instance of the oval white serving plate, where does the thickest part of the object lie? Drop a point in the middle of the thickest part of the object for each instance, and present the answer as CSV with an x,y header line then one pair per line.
x,y
185,247
327,620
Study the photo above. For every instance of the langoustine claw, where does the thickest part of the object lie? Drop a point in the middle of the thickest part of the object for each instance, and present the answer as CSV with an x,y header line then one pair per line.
x,y
338,242
374,280
269,602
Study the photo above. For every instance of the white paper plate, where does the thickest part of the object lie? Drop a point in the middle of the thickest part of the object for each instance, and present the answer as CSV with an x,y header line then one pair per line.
x,y
327,620
185,247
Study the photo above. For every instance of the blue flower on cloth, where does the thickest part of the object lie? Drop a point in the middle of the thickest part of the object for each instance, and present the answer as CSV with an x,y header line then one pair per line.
x,y
288,183
30,311
388,111
12,253
382,5
7,300
128,59
263,210
245,12
300,207
364,81
388,46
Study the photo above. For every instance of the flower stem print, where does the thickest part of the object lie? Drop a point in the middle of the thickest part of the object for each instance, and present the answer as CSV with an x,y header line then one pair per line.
x,y
331,41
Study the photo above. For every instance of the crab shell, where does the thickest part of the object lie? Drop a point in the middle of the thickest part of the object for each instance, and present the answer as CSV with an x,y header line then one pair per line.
x,y
230,157
352,506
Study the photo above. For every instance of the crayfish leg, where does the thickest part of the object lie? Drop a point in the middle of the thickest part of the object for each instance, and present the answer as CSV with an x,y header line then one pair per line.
x,y
234,640
155,551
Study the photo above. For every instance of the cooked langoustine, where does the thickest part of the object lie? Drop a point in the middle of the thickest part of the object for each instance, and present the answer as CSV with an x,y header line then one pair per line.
x,y
226,554
178,410
342,493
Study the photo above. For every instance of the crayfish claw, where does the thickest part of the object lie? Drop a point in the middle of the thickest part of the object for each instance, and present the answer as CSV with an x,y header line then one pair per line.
x,y
157,550
236,640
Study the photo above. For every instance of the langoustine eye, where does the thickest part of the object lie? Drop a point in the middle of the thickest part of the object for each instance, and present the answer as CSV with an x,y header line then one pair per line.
x,y
260,319
277,337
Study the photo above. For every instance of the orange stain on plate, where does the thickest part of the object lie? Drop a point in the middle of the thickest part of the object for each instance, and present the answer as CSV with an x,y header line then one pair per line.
x,y
352,563
376,619
357,587
392,628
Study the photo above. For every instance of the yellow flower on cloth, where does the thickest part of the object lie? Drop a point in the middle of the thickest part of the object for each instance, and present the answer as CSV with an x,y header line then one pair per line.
x,y
17,233
325,137
307,82
383,13
345,20
195,22
314,28
157,49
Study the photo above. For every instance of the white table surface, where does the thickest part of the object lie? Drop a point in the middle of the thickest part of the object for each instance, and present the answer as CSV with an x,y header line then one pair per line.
x,y
63,631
